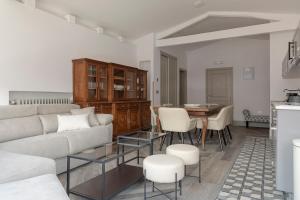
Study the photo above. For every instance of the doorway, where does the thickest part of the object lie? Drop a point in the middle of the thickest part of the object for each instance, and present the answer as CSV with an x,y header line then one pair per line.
x,y
168,79
182,87
219,86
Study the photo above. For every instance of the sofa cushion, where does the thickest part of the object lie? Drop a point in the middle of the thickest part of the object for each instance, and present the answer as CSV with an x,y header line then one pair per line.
x,y
49,146
17,111
88,138
72,122
105,119
16,128
56,108
15,167
45,187
90,111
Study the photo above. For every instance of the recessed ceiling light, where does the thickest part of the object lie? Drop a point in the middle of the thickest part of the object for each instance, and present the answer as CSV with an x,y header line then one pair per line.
x,y
199,3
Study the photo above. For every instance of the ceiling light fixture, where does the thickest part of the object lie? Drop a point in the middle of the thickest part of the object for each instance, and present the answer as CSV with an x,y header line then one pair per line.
x,y
199,3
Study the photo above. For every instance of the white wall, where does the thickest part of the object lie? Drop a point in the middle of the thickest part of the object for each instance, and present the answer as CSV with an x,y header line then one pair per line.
x,y
145,52
237,53
36,50
278,49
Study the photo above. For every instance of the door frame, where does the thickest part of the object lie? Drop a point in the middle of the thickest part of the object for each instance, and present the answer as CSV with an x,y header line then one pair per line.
x,y
180,82
215,69
162,53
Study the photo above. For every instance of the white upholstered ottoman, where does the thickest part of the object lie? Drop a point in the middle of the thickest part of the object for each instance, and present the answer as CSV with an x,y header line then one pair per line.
x,y
188,153
163,168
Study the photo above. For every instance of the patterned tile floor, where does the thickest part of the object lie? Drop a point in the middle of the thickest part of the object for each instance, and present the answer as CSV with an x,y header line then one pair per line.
x,y
252,176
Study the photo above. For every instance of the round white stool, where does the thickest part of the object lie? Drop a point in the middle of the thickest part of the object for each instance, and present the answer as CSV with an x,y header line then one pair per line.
x,y
188,153
163,168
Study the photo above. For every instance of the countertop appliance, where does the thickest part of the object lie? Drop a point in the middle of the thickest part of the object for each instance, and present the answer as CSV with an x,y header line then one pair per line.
x,y
293,95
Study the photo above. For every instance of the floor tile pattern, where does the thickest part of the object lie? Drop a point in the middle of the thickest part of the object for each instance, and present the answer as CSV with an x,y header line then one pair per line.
x,y
252,176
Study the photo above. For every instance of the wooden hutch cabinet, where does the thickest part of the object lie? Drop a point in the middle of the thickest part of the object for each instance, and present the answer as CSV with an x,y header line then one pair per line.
x,y
113,89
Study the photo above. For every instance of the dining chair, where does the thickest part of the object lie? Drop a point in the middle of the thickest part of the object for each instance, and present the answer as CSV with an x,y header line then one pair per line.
x,y
153,119
229,119
217,123
176,120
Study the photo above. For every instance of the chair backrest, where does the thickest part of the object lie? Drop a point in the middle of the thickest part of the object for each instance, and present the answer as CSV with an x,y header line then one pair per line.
x,y
222,118
174,119
153,117
229,118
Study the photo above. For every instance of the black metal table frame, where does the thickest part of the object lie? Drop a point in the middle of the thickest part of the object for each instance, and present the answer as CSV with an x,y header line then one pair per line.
x,y
150,142
102,163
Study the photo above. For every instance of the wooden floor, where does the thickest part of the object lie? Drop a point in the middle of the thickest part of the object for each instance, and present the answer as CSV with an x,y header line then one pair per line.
x,y
215,167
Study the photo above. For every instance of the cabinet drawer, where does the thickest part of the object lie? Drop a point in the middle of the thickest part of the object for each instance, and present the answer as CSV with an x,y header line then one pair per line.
x,y
122,106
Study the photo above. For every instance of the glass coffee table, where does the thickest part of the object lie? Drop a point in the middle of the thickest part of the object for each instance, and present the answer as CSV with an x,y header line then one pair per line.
x,y
112,182
140,137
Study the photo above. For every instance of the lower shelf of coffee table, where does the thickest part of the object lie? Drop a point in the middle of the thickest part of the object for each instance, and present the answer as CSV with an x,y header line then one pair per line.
x,y
116,180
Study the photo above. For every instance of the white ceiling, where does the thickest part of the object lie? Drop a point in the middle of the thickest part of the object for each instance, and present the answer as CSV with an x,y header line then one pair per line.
x,y
216,23
135,18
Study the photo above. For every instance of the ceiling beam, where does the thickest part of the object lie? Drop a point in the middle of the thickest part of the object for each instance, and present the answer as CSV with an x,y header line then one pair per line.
x,y
276,26
30,3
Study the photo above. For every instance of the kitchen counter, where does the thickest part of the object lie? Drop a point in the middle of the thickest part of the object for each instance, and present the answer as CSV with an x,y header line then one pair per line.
x,y
288,106
288,129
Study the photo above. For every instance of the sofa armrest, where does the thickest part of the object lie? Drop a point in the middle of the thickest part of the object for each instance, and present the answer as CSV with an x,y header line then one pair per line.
x,y
16,167
104,119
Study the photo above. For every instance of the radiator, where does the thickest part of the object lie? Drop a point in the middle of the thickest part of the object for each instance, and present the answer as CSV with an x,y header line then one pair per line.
x,y
28,97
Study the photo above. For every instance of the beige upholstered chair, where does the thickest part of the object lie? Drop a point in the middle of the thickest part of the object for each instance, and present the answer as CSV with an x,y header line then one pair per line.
x,y
153,119
176,120
229,119
218,123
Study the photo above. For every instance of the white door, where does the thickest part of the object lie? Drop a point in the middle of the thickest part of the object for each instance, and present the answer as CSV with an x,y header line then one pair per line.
x,y
219,86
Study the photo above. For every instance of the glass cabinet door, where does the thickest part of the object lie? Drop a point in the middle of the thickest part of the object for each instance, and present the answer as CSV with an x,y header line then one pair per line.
x,y
143,91
131,84
92,81
119,83
103,83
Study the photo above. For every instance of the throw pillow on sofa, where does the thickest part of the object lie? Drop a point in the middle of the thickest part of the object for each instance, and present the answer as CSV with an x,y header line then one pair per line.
x,y
72,122
50,123
91,114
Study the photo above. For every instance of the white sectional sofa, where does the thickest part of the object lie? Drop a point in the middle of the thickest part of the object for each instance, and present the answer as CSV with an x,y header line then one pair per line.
x,y
26,177
31,130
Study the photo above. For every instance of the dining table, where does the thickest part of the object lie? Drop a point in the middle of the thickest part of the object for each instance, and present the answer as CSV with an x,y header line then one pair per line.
x,y
201,111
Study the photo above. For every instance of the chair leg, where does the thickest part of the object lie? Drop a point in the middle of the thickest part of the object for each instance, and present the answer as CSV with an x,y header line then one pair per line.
x,y
196,136
199,136
211,134
190,136
228,129
223,136
171,139
182,138
220,141
163,142
179,137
